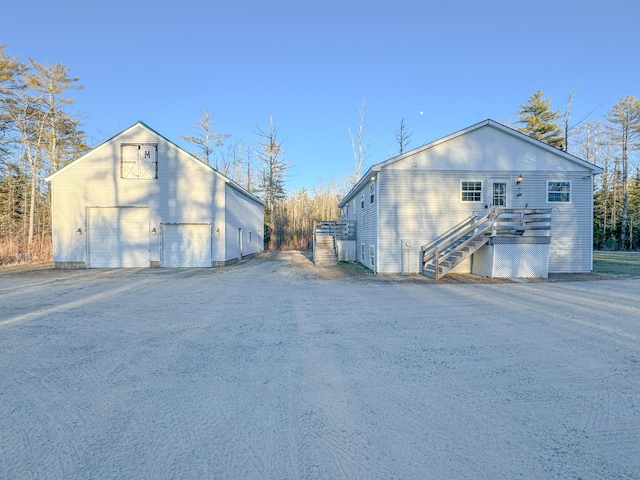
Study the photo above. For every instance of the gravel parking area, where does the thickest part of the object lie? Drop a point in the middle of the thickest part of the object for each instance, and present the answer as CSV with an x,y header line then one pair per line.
x,y
273,368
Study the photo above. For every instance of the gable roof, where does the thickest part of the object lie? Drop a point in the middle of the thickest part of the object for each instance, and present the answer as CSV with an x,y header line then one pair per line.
x,y
491,123
147,127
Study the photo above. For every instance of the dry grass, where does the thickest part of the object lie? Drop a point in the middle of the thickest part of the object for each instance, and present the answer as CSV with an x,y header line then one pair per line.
x,y
14,252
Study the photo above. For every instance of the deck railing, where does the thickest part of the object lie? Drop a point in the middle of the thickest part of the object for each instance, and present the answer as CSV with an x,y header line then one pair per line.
x,y
462,240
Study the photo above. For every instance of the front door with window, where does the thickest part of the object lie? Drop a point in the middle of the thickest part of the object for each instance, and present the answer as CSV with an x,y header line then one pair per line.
x,y
499,194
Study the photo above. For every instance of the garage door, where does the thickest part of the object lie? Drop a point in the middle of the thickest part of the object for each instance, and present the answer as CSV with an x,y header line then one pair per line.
x,y
118,237
186,245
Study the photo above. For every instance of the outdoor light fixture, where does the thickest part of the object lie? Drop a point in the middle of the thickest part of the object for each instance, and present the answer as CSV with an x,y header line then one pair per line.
x,y
154,231
519,179
373,178
217,231
79,231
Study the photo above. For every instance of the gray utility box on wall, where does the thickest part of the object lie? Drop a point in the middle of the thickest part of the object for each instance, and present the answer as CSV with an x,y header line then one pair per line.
x,y
513,257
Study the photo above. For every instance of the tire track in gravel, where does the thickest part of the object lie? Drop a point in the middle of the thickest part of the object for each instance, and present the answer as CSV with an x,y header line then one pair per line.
x,y
332,426
83,302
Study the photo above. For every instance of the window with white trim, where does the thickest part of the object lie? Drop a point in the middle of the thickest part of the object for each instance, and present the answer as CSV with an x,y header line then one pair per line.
x,y
139,161
362,200
470,191
558,192
372,255
248,237
362,252
372,192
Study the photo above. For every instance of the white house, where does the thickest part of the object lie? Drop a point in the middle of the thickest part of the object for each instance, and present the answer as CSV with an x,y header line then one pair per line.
x,y
405,203
139,200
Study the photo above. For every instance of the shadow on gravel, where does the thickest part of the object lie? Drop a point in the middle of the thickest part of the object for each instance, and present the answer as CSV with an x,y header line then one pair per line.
x,y
300,263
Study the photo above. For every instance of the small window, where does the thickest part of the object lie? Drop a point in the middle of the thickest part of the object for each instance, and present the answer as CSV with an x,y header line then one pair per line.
x,y
471,191
248,237
372,255
139,161
558,192
372,192
362,200
362,252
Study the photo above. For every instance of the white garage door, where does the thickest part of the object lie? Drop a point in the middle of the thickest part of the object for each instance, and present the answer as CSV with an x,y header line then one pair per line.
x,y
118,237
186,245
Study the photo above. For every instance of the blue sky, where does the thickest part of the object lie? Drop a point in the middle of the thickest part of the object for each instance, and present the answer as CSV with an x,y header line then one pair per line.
x,y
310,65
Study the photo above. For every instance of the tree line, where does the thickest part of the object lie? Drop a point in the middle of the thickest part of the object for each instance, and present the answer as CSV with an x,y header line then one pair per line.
x,y
612,143
40,134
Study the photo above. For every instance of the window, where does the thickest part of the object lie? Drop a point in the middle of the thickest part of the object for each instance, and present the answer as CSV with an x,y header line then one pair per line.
x,y
372,192
558,192
499,194
248,237
362,200
372,255
471,191
139,162
362,252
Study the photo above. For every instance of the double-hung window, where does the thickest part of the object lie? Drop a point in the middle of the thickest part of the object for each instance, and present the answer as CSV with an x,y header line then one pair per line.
x,y
372,192
470,191
558,192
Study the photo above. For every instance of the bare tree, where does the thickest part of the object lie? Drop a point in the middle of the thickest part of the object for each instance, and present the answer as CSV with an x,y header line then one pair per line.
x,y
206,138
61,139
272,170
358,145
624,121
403,136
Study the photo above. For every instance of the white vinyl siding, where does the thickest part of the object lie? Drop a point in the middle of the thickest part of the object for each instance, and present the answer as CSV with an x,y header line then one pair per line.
x,y
186,192
247,215
419,195
367,222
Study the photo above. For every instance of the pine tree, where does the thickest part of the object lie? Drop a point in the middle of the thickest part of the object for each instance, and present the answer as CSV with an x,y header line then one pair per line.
x,y
539,120
624,122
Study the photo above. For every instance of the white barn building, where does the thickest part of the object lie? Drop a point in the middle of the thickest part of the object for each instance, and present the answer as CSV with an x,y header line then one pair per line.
x,y
404,204
139,200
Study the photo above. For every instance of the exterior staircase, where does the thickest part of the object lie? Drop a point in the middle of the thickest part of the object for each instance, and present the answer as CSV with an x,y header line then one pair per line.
x,y
325,251
464,239
455,245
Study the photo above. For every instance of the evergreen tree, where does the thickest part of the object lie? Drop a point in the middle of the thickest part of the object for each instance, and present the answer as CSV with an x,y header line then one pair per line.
x,y
624,122
538,120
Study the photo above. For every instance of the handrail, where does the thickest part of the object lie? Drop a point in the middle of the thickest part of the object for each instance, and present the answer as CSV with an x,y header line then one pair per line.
x,y
503,222
450,231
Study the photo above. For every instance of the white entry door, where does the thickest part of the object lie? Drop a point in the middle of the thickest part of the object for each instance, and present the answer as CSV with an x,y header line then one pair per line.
x,y
186,245
118,237
499,193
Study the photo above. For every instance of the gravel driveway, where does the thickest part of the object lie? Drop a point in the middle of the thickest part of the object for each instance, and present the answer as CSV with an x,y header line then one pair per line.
x,y
276,369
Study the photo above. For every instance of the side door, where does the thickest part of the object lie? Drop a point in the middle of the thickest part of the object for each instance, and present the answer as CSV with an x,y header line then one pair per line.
x,y
499,193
